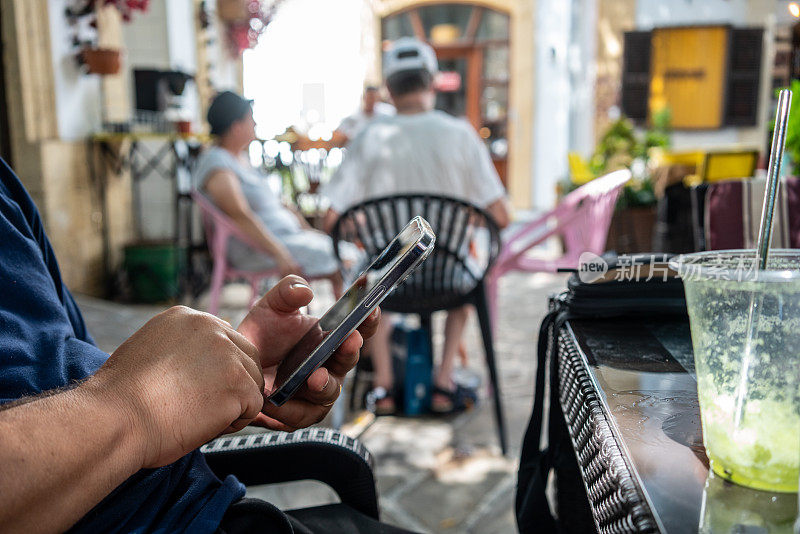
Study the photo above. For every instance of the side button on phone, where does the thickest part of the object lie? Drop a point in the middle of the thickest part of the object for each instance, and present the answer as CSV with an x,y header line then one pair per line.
x,y
376,294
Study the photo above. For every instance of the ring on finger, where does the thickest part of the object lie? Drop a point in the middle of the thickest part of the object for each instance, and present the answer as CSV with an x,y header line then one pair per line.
x,y
329,404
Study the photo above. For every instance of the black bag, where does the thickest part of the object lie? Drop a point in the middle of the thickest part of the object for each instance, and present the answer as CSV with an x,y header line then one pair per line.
x,y
640,284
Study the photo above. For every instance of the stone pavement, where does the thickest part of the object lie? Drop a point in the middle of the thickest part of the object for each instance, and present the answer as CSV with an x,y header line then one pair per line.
x,y
433,474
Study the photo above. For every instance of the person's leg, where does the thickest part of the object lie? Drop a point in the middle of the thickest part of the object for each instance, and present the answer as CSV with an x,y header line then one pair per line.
x,y
453,330
379,347
313,251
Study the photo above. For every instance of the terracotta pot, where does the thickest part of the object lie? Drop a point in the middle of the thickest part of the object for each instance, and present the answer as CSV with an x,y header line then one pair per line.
x,y
183,127
101,60
631,230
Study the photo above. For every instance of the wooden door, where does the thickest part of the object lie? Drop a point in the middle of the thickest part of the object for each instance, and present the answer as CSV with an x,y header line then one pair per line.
x,y
463,101
688,75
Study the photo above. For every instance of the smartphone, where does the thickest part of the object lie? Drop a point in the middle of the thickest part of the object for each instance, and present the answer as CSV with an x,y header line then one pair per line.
x,y
398,260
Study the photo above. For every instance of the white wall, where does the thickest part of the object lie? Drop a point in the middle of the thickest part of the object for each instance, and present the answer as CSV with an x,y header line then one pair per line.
x,y
224,73
146,38
583,75
552,106
181,35
164,39
657,13
78,95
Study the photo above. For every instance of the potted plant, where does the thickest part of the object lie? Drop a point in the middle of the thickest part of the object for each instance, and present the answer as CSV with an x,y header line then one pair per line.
x,y
102,61
792,152
82,16
622,147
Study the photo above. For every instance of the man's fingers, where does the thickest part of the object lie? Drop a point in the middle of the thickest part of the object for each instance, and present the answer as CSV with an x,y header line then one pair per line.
x,y
243,343
289,295
250,358
321,388
370,324
346,356
265,421
296,412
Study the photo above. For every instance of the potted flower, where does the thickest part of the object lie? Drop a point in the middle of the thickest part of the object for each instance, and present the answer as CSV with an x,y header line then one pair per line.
x,y
622,147
82,15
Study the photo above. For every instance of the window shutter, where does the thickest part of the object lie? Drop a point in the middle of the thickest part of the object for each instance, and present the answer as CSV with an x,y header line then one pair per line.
x,y
636,75
744,75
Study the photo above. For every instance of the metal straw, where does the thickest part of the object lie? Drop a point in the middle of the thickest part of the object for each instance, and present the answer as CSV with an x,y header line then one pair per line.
x,y
764,238
773,178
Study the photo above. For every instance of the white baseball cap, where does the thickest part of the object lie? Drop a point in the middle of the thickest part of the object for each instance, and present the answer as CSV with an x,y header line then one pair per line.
x,y
408,53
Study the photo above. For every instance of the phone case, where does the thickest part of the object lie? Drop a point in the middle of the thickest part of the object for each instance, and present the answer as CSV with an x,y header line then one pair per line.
x,y
328,345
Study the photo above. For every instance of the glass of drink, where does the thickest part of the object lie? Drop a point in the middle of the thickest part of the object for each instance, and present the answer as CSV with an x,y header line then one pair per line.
x,y
745,327
732,508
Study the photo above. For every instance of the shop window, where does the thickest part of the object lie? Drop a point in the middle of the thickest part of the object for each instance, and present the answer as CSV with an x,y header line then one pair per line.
x,y
636,75
493,27
744,74
707,76
445,23
397,26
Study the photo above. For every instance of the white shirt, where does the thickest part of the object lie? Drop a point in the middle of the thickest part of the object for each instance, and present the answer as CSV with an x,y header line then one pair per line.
x,y
352,125
430,152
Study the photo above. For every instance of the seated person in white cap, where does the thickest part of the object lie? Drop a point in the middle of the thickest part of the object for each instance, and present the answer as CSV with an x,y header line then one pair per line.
x,y
225,175
418,150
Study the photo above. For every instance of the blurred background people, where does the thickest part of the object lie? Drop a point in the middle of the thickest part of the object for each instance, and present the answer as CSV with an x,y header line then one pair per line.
x,y
371,108
224,174
418,150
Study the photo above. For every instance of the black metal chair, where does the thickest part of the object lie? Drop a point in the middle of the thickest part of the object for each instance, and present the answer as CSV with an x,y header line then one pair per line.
x,y
322,454
467,243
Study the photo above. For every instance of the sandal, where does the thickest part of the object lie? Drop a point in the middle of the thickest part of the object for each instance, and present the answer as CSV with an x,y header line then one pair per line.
x,y
443,407
458,400
380,401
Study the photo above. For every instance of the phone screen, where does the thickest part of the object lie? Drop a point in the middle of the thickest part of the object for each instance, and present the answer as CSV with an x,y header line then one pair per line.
x,y
362,288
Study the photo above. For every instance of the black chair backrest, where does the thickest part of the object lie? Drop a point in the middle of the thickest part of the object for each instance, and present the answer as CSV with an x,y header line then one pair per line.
x,y
467,243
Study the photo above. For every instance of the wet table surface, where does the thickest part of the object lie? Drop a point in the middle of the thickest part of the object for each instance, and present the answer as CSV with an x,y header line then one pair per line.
x,y
643,370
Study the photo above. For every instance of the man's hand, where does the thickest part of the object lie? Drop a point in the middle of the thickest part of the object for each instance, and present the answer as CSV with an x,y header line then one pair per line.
x,y
274,325
182,379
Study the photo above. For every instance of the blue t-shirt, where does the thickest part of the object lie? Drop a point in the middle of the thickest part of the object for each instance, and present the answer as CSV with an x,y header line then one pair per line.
x,y
44,345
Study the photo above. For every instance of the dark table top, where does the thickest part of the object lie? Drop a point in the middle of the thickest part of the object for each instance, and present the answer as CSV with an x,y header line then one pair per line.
x,y
643,370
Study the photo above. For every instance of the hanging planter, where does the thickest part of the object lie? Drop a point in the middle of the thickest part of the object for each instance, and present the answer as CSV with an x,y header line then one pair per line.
x,y
103,61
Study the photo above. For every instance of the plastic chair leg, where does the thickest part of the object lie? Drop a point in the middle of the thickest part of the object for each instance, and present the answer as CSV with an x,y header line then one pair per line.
x,y
217,279
492,283
426,323
485,323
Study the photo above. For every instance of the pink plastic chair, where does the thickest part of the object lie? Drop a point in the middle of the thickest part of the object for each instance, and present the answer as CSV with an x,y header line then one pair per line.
x,y
219,229
581,219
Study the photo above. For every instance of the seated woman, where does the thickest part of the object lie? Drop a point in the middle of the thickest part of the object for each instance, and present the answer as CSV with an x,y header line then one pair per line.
x,y
225,175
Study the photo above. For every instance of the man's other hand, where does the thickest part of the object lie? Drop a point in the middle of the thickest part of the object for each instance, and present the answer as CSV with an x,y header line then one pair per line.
x,y
182,379
274,325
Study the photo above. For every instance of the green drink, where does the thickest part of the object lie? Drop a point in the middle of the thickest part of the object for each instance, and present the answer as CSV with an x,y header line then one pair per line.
x,y
746,337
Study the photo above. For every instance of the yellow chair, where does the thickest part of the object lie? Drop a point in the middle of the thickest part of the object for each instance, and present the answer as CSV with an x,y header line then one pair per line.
x,y
726,165
579,169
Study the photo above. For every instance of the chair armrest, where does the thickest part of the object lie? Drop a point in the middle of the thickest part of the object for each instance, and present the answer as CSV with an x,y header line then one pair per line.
x,y
322,454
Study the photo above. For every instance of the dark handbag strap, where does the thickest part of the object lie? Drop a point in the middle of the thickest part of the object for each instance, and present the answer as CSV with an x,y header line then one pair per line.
x,y
532,509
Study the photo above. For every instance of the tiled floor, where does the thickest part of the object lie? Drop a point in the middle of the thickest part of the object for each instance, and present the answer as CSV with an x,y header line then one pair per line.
x,y
433,474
